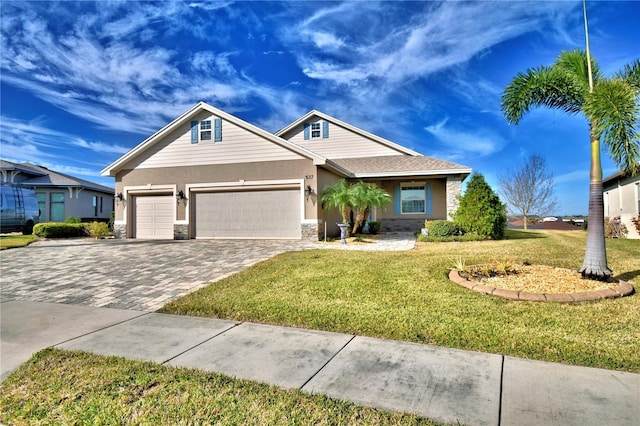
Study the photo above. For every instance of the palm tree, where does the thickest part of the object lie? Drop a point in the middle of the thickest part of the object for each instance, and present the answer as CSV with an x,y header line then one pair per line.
x,y
338,196
611,106
364,196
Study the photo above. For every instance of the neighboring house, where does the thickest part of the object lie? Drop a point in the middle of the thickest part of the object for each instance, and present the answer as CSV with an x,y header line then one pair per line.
x,y
622,198
61,196
209,174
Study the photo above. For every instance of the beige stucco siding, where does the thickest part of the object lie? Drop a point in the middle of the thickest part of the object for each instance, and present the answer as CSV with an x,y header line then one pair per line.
x,y
180,177
341,143
238,145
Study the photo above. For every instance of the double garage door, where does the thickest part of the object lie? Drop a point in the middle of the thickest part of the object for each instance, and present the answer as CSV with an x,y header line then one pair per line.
x,y
268,213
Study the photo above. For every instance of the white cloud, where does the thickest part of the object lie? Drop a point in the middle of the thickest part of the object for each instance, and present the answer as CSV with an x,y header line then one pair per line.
x,y
462,143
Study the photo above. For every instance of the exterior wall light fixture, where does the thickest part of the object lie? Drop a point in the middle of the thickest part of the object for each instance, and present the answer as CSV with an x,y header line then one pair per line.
x,y
180,196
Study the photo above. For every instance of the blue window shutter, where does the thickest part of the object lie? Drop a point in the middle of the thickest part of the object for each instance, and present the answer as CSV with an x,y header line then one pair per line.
x,y
325,129
427,198
306,131
397,200
194,132
217,137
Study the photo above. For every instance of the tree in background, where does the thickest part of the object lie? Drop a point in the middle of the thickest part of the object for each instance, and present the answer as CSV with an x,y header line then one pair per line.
x,y
481,211
575,84
529,190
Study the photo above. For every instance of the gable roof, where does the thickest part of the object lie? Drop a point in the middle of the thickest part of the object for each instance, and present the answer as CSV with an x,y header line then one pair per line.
x,y
43,177
114,167
314,113
399,165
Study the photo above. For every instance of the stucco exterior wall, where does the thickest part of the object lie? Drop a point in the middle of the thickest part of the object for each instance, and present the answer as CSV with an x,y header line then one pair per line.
x,y
622,198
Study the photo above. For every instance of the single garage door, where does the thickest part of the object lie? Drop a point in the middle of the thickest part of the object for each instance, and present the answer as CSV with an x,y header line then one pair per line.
x,y
154,217
272,213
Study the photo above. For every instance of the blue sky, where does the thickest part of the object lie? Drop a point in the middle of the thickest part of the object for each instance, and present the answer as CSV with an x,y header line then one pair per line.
x,y
83,82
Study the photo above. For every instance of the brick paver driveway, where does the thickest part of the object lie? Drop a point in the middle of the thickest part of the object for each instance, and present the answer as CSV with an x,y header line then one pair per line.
x,y
126,274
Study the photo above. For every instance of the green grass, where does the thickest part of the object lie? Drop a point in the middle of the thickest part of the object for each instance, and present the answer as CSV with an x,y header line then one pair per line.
x,y
15,241
407,296
63,387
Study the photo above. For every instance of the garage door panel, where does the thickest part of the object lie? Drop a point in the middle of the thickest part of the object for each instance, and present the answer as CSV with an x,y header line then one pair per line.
x,y
248,214
154,217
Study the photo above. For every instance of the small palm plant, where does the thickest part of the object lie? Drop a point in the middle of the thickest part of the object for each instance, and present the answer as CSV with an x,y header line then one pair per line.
x,y
338,195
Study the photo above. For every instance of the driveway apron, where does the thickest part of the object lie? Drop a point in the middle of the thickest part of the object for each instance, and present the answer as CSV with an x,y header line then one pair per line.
x,y
126,274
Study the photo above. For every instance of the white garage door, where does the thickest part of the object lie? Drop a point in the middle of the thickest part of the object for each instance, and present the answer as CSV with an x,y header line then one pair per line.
x,y
154,217
273,213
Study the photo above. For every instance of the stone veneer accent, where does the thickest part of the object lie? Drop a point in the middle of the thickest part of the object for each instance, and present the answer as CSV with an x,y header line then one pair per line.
x,y
311,232
401,225
181,232
120,230
454,190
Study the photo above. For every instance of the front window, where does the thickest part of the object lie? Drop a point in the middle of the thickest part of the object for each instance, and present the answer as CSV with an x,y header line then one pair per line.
x,y
413,199
56,207
205,130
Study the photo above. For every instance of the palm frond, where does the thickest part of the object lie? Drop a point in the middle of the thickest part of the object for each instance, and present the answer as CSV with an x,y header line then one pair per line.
x,y
574,63
631,74
544,86
614,108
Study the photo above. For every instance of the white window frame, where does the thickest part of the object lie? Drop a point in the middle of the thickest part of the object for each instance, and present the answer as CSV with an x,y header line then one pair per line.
x,y
413,186
205,128
316,130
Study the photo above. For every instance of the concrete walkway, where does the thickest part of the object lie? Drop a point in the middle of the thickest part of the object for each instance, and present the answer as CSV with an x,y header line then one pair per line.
x,y
443,384
99,296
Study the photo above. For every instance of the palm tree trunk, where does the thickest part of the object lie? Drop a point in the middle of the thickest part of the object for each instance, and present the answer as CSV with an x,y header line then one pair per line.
x,y
594,265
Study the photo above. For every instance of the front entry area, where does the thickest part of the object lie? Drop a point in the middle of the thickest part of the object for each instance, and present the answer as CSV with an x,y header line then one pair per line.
x,y
249,214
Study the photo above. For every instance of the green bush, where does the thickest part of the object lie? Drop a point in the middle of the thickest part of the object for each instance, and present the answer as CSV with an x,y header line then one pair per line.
x,y
59,230
374,227
441,228
453,238
98,229
481,211
72,219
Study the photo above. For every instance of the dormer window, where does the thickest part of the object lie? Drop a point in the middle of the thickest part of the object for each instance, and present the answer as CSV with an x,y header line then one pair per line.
x,y
316,130
205,130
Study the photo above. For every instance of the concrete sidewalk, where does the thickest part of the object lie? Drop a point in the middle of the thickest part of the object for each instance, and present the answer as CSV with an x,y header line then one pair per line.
x,y
443,384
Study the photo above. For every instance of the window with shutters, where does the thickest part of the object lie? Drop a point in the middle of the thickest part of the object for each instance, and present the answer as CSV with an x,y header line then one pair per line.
x,y
316,130
202,131
413,198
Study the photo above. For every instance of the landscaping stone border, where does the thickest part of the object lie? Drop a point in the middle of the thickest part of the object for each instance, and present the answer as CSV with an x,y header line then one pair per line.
x,y
622,289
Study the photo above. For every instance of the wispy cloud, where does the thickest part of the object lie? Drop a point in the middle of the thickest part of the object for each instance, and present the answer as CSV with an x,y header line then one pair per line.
x,y
460,143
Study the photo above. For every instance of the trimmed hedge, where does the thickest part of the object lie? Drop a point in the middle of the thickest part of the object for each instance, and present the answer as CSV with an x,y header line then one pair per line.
x,y
59,230
441,228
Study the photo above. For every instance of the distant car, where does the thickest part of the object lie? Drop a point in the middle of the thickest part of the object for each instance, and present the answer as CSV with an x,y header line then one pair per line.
x,y
19,210
550,219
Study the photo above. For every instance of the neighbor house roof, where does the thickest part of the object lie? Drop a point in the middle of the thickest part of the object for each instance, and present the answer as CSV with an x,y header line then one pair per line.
x,y
619,175
314,113
399,165
43,177
114,167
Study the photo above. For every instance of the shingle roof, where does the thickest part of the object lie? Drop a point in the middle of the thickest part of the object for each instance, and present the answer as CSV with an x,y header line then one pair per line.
x,y
397,165
41,176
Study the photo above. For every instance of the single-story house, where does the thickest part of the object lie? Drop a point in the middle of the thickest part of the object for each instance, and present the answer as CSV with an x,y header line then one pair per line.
x,y
209,174
621,193
61,196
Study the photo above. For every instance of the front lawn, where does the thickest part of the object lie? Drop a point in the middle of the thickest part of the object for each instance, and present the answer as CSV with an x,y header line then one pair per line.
x,y
407,296
15,241
62,387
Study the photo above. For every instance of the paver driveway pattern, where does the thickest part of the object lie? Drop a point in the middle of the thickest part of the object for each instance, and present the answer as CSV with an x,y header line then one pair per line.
x,y
141,275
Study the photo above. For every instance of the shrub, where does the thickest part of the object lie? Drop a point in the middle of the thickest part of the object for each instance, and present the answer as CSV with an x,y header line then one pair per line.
x,y
374,227
59,230
613,228
72,219
98,229
481,211
636,223
441,228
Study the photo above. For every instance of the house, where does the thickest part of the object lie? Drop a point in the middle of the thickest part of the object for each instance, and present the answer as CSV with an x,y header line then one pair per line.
x,y
621,193
208,174
59,195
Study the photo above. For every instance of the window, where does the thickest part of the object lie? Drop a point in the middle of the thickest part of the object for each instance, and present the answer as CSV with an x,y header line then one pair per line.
x,y
413,198
42,203
95,205
315,130
56,207
319,129
205,130
202,131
